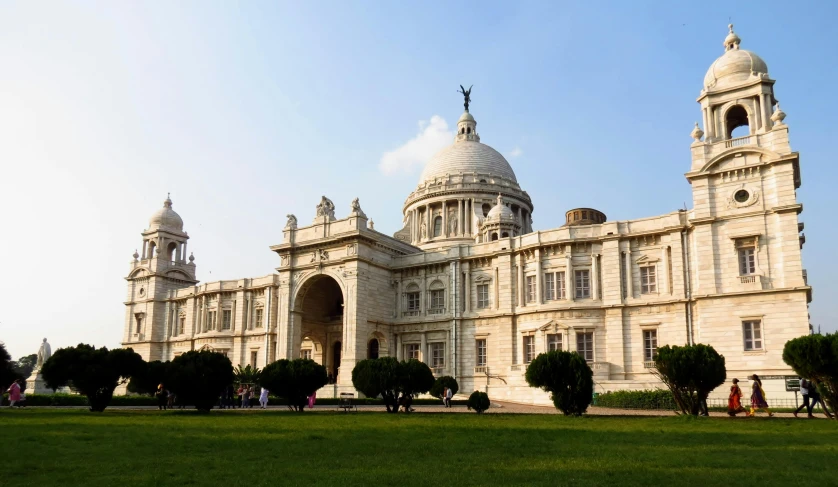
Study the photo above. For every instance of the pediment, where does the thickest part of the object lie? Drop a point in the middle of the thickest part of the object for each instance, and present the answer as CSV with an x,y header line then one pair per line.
x,y
645,259
481,278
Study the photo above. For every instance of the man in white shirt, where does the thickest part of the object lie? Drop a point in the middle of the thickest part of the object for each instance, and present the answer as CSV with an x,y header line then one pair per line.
x,y
805,385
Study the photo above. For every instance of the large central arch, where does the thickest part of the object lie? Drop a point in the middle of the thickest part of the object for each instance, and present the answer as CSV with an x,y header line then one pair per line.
x,y
320,310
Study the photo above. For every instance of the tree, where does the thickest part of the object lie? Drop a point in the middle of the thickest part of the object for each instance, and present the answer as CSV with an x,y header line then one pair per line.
x,y
691,372
479,401
441,383
815,357
7,370
149,377
247,375
567,377
387,377
92,372
198,377
25,365
294,380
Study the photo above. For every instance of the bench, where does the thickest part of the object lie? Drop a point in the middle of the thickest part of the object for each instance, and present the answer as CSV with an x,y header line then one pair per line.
x,y
346,402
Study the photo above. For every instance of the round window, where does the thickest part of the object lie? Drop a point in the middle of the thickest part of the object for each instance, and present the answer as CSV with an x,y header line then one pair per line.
x,y
742,196
142,291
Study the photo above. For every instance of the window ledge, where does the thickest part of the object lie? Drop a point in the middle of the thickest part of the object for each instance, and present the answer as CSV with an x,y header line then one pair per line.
x,y
755,352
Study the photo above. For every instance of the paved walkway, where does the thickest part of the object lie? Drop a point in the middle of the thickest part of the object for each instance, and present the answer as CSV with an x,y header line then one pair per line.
x,y
497,408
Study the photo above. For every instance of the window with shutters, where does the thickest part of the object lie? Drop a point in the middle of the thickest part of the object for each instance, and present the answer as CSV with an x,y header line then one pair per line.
x,y
648,280
752,332
554,342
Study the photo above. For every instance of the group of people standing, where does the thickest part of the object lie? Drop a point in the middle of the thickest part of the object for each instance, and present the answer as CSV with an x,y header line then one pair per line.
x,y
243,397
165,398
808,388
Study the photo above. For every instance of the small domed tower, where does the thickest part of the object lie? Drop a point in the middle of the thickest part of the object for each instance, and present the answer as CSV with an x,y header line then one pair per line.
x,y
499,223
156,272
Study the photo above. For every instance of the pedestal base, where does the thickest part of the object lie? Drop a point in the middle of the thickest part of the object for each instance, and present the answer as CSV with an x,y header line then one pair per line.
x,y
35,384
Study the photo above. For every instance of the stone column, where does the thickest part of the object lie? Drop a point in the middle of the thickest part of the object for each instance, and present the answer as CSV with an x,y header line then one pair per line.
x,y
428,222
629,278
423,349
710,129
470,227
663,284
145,246
183,256
570,278
766,112
444,232
522,286
399,347
467,291
460,217
539,299
521,220
423,293
595,276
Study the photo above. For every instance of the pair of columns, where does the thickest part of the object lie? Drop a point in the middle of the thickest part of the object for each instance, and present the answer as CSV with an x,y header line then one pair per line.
x,y
416,219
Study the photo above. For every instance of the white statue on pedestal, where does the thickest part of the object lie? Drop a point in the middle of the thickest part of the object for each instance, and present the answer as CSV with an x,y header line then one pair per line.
x,y
44,353
35,383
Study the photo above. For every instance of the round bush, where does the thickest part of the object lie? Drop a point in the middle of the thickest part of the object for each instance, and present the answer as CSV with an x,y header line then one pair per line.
x,y
567,377
479,401
441,383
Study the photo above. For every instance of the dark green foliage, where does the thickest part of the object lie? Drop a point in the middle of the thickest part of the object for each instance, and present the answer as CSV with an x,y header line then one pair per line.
x,y
247,375
387,377
690,372
294,380
815,357
566,376
198,377
76,400
146,381
441,383
92,372
649,399
25,365
8,374
479,401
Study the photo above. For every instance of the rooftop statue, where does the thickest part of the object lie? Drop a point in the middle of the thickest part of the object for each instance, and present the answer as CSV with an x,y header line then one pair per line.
x,y
466,95
326,208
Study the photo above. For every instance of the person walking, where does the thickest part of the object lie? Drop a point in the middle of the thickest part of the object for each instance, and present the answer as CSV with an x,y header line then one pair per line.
x,y
14,393
816,399
311,399
263,399
758,397
251,397
449,394
806,391
734,400
245,397
162,397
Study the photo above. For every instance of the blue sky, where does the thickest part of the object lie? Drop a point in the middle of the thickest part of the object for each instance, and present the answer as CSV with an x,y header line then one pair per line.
x,y
248,111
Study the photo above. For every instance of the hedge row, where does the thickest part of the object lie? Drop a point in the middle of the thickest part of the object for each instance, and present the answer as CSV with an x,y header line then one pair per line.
x,y
648,399
76,400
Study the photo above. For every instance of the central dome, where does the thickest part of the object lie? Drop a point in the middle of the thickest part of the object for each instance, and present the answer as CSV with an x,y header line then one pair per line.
x,y
166,218
467,156
734,66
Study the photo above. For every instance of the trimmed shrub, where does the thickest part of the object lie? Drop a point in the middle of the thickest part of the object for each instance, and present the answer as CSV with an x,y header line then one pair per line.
x,y
387,377
690,372
198,377
815,357
146,380
441,383
479,401
294,380
91,371
648,399
567,377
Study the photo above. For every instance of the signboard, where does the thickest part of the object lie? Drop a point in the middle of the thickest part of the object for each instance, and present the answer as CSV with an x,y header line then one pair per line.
x,y
793,384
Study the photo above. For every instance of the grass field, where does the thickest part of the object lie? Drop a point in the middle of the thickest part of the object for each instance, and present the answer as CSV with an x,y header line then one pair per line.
x,y
75,447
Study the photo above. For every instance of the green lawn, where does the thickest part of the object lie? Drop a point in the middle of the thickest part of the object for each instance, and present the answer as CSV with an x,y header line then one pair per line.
x,y
75,447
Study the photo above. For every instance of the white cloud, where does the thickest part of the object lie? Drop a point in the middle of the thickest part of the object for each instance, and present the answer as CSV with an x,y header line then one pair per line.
x,y
516,152
433,136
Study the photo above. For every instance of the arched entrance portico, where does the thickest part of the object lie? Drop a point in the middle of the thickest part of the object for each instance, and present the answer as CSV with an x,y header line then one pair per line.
x,y
319,307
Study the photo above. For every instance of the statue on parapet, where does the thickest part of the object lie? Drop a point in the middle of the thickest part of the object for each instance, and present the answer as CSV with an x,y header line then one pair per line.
x,y
356,209
326,208
291,224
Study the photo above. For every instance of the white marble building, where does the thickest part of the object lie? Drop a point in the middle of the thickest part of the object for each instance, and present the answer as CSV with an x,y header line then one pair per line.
x,y
469,287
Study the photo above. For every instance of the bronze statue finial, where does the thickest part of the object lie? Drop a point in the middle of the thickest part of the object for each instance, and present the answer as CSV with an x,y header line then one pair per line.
x,y
466,95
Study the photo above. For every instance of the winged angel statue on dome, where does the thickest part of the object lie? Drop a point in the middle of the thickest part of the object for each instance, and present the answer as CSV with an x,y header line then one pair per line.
x,y
466,95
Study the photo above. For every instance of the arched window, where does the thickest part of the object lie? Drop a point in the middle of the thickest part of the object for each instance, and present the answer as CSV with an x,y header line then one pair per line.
x,y
494,236
151,248
486,207
468,130
735,118
372,348
171,252
437,226
505,235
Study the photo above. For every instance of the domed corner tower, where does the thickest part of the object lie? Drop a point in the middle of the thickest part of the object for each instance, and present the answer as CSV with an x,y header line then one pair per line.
x,y
458,188
154,274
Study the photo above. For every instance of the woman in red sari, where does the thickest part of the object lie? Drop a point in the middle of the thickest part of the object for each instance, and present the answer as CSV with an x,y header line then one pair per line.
x,y
734,401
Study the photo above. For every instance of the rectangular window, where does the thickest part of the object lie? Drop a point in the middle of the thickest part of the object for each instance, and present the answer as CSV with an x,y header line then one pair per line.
x,y
529,349
413,301
305,354
549,286
583,283
650,345
747,261
560,286
139,328
752,331
257,319
554,342
253,355
480,345
226,319
585,345
437,355
530,289
411,351
182,325
437,301
648,280
482,296
212,319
